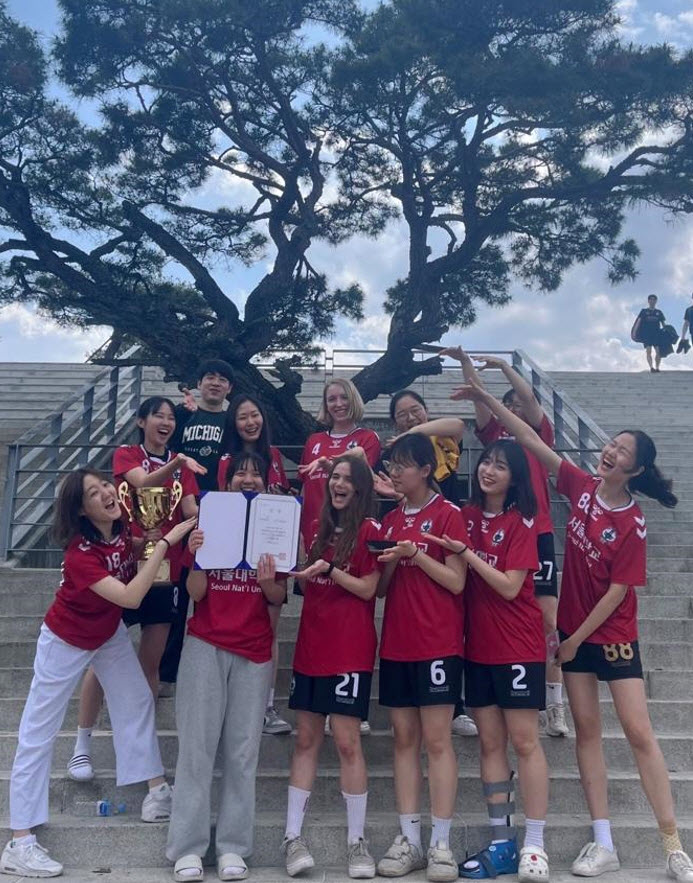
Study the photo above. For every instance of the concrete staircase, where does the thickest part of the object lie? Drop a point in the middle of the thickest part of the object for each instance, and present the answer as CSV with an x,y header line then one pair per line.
x,y
81,840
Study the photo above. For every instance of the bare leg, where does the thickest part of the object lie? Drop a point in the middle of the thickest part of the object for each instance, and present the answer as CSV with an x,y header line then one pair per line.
x,y
406,723
152,646
347,737
549,607
442,760
523,728
275,611
90,700
304,761
648,356
658,357
583,694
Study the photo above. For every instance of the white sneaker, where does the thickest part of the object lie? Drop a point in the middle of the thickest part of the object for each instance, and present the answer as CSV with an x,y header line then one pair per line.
x,y
28,859
156,806
80,768
401,858
364,728
555,720
360,863
680,867
298,857
534,865
463,725
594,860
274,724
441,865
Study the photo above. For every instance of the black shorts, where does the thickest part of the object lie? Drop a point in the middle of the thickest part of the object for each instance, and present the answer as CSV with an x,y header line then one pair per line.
x,y
347,694
545,579
159,605
609,662
510,685
416,684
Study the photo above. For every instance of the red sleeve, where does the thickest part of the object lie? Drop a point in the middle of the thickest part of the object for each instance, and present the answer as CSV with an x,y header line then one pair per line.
x,y
571,481
189,482
187,558
371,448
221,471
490,433
126,458
363,561
629,567
277,475
454,526
84,567
522,546
545,431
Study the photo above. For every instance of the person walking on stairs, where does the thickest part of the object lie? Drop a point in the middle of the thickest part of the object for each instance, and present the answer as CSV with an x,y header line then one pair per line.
x,y
605,559
334,659
82,628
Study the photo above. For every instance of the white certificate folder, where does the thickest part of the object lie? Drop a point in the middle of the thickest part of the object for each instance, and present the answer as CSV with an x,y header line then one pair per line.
x,y
239,527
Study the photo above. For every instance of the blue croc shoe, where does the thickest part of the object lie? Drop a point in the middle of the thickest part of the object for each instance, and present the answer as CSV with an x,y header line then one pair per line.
x,y
496,859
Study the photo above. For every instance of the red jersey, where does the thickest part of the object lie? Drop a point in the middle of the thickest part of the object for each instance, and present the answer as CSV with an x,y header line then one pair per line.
x,y
539,474
323,444
602,546
337,633
78,615
497,630
422,620
129,457
233,615
276,477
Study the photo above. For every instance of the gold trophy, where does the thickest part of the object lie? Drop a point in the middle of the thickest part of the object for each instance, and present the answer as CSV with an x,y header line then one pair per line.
x,y
150,507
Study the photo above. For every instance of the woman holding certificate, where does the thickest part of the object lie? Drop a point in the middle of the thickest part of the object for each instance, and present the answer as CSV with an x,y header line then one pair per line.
x,y
225,671
333,666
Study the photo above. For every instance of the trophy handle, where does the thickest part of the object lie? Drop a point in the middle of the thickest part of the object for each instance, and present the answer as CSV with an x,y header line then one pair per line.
x,y
124,498
176,495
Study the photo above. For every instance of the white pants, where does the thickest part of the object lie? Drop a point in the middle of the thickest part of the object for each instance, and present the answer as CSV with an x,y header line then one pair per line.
x,y
58,669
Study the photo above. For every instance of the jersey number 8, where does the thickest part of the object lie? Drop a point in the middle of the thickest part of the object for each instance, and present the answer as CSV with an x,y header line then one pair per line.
x,y
612,652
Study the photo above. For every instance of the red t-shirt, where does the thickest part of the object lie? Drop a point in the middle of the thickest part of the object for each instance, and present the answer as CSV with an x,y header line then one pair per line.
x,y
276,477
323,444
130,457
499,631
78,615
602,546
422,620
233,615
538,472
337,633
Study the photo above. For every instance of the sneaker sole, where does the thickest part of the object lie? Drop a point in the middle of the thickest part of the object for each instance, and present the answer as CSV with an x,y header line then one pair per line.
x,y
444,875
282,731
305,864
361,873
16,872
609,870
398,872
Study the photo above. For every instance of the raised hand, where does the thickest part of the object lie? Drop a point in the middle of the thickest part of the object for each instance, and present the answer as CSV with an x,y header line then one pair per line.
x,y
472,391
191,464
266,568
490,362
309,469
446,542
176,534
189,402
383,486
454,352
196,539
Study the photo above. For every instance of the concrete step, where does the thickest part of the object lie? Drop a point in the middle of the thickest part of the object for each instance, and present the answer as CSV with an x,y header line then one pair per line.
x,y
123,841
79,799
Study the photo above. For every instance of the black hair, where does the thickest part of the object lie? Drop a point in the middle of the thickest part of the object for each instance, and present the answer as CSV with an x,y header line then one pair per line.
x,y
650,481
508,397
215,366
400,395
233,443
416,449
67,520
650,296
151,406
241,459
520,493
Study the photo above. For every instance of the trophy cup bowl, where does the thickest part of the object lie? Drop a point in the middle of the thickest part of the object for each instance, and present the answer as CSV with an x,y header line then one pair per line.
x,y
150,508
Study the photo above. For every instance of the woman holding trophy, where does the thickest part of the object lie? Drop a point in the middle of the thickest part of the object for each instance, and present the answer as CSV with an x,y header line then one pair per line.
x,y
83,627
152,481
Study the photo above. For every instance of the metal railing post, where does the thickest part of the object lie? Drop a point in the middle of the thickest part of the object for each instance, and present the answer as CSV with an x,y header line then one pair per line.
x,y
558,421
85,435
54,450
8,501
136,387
112,401
583,443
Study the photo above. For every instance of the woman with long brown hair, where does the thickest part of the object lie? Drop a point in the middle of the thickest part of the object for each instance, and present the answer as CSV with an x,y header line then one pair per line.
x,y
333,667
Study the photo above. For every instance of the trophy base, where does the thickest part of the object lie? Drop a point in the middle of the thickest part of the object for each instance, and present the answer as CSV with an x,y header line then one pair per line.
x,y
163,574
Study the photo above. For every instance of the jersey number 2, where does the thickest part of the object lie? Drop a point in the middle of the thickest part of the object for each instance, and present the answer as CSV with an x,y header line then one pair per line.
x,y
342,688
519,682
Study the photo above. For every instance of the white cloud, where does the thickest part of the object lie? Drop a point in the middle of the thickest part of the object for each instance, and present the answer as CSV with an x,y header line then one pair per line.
x,y
28,336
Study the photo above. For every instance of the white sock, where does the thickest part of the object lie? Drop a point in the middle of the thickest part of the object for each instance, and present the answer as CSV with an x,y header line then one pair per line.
x,y
232,870
189,872
26,840
159,789
602,833
440,831
83,743
554,694
410,825
270,698
296,811
534,832
356,815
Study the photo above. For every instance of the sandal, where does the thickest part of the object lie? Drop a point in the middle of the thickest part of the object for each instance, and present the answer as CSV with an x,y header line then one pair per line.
x,y
232,861
534,865
496,859
188,863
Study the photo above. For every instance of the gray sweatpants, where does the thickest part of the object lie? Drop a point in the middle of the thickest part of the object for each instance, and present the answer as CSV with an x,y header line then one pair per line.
x,y
220,699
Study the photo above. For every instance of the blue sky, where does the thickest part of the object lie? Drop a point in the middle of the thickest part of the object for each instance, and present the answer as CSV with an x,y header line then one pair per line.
x,y
585,325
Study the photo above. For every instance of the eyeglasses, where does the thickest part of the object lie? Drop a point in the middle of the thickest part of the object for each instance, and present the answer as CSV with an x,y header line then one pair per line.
x,y
416,411
393,468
